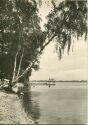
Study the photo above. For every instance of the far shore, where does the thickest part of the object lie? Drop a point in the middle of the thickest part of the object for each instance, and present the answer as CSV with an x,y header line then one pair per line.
x,y
59,81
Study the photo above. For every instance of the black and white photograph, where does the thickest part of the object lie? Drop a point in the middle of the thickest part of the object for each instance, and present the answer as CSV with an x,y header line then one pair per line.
x,y
43,62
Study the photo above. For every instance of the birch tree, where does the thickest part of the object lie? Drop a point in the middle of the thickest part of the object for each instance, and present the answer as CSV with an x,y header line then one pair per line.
x,y
22,41
20,37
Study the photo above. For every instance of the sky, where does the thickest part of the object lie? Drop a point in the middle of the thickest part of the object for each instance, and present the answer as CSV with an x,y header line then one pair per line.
x,y
72,67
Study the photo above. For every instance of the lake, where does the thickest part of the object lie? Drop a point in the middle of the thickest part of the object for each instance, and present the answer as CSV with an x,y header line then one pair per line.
x,y
63,103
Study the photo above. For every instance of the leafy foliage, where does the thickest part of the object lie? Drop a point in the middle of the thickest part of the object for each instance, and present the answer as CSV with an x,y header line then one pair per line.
x,y
66,21
21,36
19,32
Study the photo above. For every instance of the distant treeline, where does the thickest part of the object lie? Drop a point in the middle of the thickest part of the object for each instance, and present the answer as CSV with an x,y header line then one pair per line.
x,y
59,81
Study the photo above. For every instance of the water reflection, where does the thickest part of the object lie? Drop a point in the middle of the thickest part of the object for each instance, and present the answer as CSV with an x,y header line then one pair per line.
x,y
60,104
31,107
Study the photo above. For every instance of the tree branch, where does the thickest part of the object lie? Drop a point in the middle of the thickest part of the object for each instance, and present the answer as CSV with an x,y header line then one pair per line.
x,y
47,43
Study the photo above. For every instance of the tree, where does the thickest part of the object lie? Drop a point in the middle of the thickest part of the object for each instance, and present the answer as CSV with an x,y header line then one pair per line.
x,y
20,37
22,41
65,21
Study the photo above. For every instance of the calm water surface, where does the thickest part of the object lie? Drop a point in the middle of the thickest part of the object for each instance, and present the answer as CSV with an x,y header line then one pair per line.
x,y
64,103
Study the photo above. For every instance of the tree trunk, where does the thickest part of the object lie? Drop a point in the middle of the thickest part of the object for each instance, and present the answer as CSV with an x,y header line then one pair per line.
x,y
30,66
14,70
20,65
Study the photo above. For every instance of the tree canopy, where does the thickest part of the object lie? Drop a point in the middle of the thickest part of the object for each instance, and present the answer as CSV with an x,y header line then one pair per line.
x,y
22,40
65,21
20,35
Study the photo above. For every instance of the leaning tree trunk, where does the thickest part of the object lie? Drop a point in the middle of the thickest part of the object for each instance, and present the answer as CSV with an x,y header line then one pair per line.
x,y
30,66
25,81
14,70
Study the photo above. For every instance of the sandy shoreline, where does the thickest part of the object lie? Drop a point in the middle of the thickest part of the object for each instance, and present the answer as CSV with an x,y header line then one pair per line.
x,y
11,110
